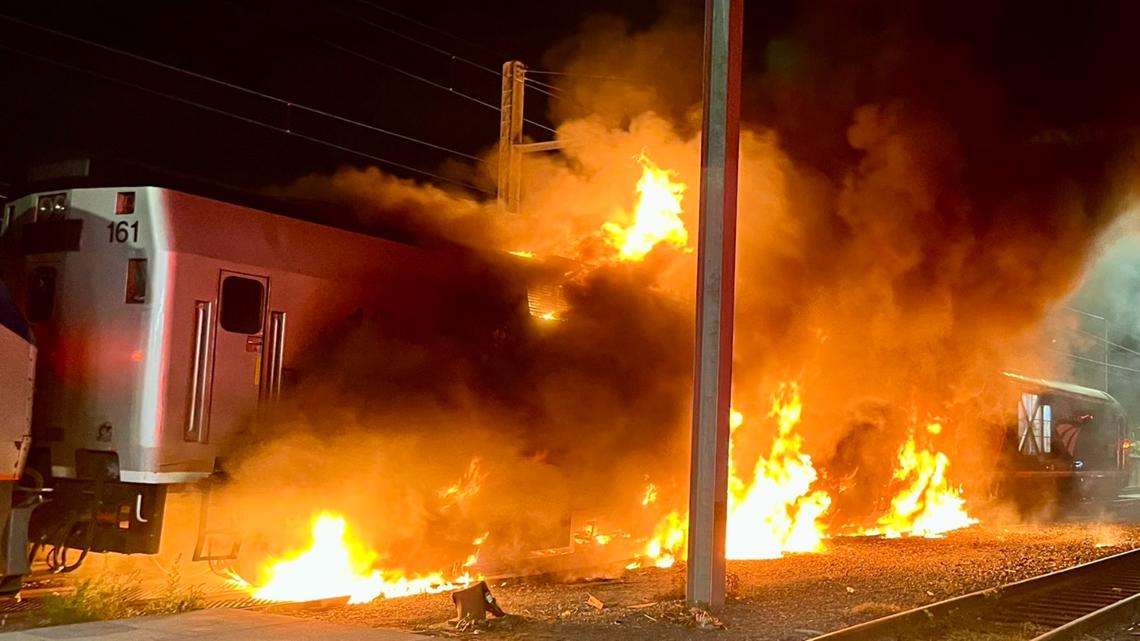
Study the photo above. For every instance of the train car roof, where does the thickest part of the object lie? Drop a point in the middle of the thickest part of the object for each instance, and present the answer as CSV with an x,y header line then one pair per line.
x,y
104,172
1068,388
83,172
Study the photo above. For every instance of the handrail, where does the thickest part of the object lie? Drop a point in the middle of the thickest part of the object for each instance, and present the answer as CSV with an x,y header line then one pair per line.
x,y
197,422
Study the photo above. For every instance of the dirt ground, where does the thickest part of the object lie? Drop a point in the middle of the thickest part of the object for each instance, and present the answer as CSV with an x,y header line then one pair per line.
x,y
793,598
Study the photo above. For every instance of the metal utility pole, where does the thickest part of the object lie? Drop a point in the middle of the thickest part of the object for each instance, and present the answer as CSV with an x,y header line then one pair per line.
x,y
511,135
716,271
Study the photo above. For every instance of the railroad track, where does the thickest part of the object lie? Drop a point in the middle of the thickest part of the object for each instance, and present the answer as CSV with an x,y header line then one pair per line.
x,y
1052,607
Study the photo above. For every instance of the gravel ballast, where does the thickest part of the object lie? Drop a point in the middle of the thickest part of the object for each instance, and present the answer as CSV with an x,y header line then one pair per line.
x,y
796,597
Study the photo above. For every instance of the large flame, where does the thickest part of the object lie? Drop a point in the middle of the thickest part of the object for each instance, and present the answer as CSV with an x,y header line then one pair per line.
x,y
337,565
777,511
772,513
656,219
927,505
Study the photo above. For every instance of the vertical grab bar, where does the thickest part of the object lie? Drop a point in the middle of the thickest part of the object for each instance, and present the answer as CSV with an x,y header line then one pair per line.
x,y
274,357
196,419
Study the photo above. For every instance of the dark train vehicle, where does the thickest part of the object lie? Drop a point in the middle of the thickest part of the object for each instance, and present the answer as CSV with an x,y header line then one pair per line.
x,y
1064,443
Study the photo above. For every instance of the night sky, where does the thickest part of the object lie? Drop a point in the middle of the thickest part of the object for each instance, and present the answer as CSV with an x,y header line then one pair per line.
x,y
1060,64
295,50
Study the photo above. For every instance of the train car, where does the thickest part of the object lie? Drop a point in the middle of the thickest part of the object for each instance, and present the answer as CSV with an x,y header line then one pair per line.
x,y
17,383
1067,443
164,321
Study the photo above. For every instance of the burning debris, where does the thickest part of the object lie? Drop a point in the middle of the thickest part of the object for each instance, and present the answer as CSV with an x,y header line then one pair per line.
x,y
779,509
337,565
927,505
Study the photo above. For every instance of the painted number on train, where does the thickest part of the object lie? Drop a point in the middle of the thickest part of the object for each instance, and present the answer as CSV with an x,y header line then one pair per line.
x,y
122,231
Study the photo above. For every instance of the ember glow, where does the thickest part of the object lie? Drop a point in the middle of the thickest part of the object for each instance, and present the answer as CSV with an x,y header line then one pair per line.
x,y
927,505
656,218
650,494
776,511
337,565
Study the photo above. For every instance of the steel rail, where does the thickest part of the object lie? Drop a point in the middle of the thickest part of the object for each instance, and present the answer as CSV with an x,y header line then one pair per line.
x,y
1069,602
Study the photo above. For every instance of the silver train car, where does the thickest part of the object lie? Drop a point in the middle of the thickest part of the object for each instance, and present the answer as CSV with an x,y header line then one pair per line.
x,y
17,383
163,322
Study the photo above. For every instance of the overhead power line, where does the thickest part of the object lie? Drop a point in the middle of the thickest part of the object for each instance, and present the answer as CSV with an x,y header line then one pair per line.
x,y
590,76
404,72
239,117
288,104
433,28
547,85
451,90
1102,339
1096,362
534,87
403,36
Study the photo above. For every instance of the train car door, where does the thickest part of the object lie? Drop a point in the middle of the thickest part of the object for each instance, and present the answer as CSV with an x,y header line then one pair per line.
x,y
239,334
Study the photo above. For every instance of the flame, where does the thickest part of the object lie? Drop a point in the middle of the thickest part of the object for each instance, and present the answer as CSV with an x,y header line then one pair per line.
x,y
522,254
650,494
336,565
777,512
668,542
468,485
478,542
656,218
926,505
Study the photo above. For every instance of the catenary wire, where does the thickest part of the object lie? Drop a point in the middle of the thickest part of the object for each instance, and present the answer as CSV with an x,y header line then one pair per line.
x,y
281,101
239,117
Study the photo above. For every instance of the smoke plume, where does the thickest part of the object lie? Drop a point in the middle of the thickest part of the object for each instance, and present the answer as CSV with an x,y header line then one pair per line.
x,y
920,188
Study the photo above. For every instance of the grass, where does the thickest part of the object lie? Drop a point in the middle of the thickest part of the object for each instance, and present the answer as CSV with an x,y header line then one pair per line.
x,y
93,599
176,598
118,597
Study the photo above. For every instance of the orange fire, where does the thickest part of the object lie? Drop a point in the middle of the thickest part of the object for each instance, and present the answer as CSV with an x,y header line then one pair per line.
x,y
337,565
650,495
774,512
668,542
927,505
777,511
656,218
468,485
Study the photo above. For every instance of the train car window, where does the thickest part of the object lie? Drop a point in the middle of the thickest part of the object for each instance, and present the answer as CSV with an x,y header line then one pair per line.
x,y
242,302
124,203
1034,425
51,236
41,294
136,281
